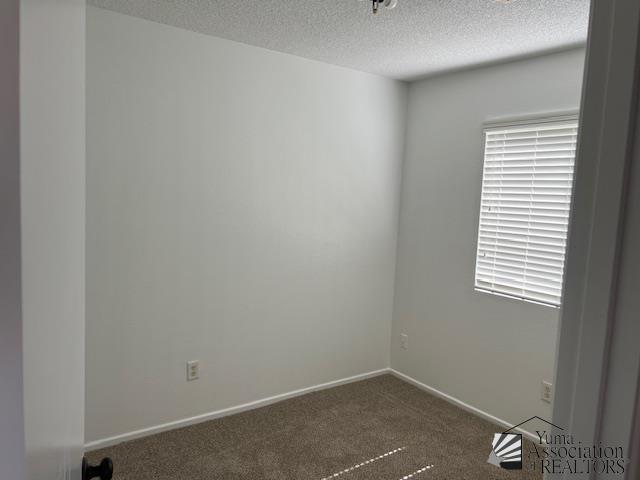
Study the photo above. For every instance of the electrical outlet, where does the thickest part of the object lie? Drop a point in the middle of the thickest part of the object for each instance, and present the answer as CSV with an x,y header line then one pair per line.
x,y
404,341
193,370
547,392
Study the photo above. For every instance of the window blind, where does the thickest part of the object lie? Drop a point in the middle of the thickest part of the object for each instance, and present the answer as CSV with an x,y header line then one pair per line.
x,y
524,210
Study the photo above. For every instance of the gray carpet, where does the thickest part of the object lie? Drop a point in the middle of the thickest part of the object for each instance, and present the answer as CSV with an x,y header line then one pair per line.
x,y
341,433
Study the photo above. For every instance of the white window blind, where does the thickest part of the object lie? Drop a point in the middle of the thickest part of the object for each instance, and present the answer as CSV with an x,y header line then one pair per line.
x,y
524,210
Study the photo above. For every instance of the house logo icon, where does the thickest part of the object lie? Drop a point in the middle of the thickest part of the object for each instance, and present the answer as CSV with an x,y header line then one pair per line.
x,y
506,451
506,447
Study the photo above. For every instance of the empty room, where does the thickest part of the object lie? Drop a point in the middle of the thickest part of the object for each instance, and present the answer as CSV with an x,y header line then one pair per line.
x,y
354,239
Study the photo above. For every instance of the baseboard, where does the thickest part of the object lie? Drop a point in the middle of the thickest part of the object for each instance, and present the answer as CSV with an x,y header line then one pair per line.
x,y
459,403
108,442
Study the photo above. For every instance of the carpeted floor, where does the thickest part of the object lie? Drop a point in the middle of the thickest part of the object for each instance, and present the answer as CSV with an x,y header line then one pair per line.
x,y
376,429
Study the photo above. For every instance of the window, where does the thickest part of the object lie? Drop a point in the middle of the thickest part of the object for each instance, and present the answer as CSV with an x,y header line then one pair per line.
x,y
524,210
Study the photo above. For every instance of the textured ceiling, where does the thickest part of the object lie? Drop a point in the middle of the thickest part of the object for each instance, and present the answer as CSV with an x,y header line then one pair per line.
x,y
417,38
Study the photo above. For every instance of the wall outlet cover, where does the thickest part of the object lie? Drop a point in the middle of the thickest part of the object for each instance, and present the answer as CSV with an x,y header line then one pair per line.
x,y
547,392
404,341
193,370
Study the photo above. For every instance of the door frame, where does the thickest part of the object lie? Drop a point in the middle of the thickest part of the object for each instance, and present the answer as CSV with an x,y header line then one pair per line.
x,y
594,257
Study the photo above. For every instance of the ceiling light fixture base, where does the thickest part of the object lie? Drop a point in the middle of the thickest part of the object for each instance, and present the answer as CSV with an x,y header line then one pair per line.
x,y
377,4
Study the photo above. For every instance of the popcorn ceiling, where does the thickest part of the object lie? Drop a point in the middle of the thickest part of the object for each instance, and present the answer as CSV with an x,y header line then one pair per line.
x,y
418,38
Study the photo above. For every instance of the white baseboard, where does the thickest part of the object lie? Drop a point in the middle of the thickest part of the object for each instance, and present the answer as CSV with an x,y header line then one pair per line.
x,y
110,441
459,403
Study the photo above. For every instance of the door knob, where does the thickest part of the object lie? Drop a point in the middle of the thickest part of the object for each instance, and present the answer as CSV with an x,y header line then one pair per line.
x,y
103,471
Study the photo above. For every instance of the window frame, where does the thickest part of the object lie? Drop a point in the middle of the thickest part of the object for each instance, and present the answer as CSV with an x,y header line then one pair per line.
x,y
509,122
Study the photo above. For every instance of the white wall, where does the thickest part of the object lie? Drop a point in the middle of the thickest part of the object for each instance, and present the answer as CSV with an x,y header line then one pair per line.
x,y
488,351
52,168
242,210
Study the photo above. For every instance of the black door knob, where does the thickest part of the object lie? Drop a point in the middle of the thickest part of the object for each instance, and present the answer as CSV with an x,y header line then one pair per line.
x,y
104,471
